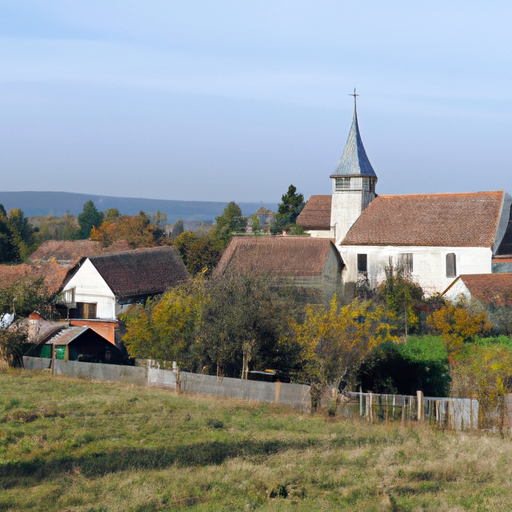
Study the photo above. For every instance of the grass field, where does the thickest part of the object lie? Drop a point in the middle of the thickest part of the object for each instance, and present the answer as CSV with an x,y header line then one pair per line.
x,y
69,445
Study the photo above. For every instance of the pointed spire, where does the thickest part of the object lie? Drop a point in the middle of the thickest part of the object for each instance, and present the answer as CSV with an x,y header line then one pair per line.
x,y
354,161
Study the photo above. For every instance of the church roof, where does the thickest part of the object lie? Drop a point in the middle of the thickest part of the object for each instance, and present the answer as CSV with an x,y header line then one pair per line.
x,y
316,214
450,220
354,161
280,256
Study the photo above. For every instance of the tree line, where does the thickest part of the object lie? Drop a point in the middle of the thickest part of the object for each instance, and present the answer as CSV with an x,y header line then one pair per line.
x,y
200,249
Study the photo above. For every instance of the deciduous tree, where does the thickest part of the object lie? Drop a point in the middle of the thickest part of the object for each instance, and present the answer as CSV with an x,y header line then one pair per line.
x,y
166,328
25,295
199,253
243,321
458,324
403,297
137,230
337,339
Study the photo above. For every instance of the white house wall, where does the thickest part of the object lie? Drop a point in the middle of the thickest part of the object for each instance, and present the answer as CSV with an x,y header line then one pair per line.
x,y
429,263
91,288
457,291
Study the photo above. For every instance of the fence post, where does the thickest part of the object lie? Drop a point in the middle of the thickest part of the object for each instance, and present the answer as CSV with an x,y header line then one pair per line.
x,y
421,411
360,401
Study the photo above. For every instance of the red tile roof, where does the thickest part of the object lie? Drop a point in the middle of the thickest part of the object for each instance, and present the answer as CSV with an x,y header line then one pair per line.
x,y
52,272
140,272
489,287
282,256
316,214
67,252
453,220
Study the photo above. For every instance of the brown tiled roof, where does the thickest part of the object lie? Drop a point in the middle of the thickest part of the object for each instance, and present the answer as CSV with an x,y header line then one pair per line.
x,y
281,256
68,253
52,272
65,250
316,214
141,272
489,287
453,220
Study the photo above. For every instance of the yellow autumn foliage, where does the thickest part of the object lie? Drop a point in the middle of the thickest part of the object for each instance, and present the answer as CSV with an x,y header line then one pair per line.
x,y
457,324
336,340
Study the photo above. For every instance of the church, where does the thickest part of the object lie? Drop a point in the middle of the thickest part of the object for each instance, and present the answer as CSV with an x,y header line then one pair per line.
x,y
433,237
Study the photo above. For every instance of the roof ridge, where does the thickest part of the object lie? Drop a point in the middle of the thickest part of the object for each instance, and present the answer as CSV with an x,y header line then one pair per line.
x,y
443,194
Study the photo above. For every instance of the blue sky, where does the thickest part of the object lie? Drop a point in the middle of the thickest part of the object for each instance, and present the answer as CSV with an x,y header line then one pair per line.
x,y
231,100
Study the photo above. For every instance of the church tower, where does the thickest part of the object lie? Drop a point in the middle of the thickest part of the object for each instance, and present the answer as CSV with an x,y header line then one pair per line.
x,y
353,182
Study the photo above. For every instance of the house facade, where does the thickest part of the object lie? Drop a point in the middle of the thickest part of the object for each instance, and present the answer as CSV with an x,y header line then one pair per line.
x,y
102,287
434,237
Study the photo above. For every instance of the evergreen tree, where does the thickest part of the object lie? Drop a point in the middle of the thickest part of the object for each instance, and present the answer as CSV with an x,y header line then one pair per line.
x,y
89,218
9,251
230,222
289,209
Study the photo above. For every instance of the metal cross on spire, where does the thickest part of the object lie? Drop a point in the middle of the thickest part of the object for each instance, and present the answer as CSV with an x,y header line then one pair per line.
x,y
355,96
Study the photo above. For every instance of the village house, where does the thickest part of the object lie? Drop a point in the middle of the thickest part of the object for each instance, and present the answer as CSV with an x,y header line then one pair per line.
x,y
99,288
311,264
487,288
434,237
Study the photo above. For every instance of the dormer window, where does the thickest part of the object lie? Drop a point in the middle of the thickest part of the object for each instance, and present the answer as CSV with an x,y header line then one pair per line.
x,y
342,183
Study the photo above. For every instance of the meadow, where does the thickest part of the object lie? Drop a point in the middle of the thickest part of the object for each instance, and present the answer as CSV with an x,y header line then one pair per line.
x,y
70,445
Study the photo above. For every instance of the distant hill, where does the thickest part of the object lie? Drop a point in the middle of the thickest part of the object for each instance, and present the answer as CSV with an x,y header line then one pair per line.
x,y
36,204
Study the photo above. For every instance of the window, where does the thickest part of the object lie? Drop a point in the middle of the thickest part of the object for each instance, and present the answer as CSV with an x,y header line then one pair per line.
x,y
406,261
68,297
342,183
362,263
451,265
85,310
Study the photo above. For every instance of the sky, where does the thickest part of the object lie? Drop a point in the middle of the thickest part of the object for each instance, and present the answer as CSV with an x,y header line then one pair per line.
x,y
231,100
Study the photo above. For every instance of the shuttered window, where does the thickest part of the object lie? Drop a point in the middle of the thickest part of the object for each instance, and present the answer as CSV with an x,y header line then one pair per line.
x,y
451,265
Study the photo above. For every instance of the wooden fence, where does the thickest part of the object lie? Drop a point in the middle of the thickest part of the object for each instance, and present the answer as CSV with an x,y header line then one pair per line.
x,y
453,413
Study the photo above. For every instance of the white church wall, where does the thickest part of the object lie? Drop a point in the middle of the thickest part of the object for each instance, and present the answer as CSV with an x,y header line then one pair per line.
x,y
346,209
429,263
91,288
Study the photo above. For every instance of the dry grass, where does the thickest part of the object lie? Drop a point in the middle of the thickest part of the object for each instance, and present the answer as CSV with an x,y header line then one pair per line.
x,y
69,445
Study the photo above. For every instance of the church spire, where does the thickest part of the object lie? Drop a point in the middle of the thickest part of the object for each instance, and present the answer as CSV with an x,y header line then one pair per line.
x,y
353,161
353,182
